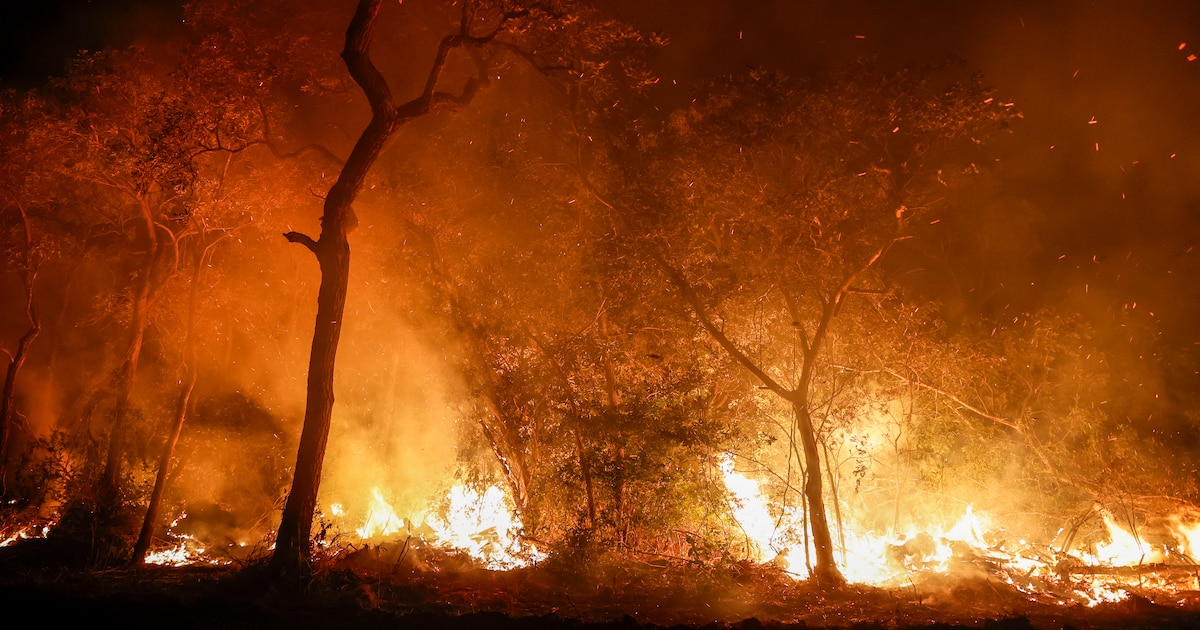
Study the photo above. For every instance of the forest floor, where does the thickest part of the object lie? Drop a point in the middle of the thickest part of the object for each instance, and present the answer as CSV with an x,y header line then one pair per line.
x,y
390,587
362,590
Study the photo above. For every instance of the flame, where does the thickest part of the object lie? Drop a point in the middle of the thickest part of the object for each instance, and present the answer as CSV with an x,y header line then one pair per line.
x,y
177,556
24,533
1123,548
867,558
1188,536
778,535
485,527
751,510
482,525
381,518
186,552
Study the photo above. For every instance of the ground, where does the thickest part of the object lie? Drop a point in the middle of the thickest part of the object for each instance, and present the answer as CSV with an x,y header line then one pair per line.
x,y
367,589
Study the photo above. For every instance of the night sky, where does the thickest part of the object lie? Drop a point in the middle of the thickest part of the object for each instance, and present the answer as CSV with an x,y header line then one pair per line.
x,y
1097,201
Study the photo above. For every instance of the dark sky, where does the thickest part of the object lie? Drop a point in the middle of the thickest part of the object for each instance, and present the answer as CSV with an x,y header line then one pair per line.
x,y
38,37
1099,183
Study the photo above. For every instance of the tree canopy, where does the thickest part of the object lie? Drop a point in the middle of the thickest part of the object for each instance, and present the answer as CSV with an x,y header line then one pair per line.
x,y
560,286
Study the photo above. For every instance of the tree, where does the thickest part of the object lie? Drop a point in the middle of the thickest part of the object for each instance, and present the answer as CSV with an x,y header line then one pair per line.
x,y
20,253
139,156
332,249
548,36
27,265
128,138
770,206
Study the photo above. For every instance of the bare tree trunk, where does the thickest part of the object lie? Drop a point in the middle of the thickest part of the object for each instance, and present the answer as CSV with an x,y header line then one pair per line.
x,y
8,411
146,535
332,249
825,568
109,488
292,545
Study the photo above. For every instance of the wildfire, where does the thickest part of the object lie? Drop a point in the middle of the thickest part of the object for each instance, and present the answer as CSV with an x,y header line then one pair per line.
x,y
1106,569
751,510
484,527
1124,548
185,551
481,525
24,533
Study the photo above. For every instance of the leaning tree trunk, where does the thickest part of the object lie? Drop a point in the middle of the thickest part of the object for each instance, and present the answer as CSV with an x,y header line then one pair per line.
x,y
332,249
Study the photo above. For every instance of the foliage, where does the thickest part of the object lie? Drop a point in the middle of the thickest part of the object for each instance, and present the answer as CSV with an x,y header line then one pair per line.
x,y
519,253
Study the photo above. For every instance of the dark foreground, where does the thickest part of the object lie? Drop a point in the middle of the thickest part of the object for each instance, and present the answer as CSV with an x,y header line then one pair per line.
x,y
362,593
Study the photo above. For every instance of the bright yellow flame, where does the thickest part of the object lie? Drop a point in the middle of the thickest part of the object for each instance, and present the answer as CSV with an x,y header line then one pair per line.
x,y
176,556
893,558
485,527
751,510
1124,548
1188,536
381,518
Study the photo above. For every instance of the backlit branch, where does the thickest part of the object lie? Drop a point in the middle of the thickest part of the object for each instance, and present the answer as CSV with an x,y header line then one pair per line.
x,y
303,239
693,300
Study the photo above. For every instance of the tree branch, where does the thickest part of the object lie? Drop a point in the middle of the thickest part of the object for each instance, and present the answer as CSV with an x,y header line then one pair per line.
x,y
303,239
721,338
797,323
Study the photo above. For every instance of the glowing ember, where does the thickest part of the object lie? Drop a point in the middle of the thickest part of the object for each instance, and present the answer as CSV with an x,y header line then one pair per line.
x,y
27,532
187,552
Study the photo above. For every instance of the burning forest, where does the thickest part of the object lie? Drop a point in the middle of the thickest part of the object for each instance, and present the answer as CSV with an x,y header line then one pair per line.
x,y
624,315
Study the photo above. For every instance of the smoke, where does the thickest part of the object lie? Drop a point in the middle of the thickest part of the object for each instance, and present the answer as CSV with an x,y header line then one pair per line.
x,y
395,427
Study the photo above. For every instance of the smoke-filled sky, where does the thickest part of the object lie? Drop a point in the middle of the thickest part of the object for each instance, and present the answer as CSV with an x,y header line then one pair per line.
x,y
1097,199
1098,187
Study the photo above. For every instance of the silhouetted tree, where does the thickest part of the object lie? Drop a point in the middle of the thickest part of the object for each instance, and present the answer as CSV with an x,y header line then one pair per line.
x,y
769,205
